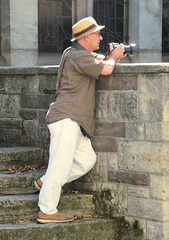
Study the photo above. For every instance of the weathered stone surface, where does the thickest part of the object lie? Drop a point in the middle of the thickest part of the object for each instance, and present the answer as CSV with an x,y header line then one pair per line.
x,y
139,191
117,82
10,106
28,114
16,207
135,130
35,101
30,133
159,187
128,177
157,230
13,123
115,129
149,157
81,229
157,131
149,208
20,156
41,116
19,183
104,144
48,84
10,135
111,202
151,90
117,106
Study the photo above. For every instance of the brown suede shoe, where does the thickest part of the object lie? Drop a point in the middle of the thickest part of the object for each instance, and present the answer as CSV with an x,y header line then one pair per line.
x,y
39,183
54,218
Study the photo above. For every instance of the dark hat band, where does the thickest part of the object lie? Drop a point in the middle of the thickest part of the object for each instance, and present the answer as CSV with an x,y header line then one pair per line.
x,y
85,30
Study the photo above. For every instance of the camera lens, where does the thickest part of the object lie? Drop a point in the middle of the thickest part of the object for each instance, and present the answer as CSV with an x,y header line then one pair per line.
x,y
128,49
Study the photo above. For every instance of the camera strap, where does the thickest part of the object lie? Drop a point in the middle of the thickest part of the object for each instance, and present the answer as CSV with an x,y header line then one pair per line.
x,y
63,64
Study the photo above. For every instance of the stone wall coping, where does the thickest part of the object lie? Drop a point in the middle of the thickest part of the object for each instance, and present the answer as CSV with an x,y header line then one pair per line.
x,y
121,68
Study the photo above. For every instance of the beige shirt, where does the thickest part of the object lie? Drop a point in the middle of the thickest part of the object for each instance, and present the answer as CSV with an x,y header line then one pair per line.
x,y
76,95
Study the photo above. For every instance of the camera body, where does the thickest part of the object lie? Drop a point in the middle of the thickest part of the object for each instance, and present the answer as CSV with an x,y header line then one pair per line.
x,y
128,49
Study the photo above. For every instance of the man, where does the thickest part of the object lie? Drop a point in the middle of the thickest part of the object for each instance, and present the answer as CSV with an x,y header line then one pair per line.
x,y
70,118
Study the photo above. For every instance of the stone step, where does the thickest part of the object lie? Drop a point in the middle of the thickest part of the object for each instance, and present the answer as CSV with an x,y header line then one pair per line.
x,y
84,229
19,183
17,207
21,156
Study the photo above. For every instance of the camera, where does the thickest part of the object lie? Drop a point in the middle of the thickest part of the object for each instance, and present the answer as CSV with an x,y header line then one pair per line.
x,y
128,49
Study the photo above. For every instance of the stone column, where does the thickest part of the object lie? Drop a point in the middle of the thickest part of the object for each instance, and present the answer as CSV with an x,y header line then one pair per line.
x,y
84,9
20,32
145,29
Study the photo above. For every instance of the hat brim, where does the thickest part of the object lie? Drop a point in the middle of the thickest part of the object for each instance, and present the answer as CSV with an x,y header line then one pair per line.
x,y
98,28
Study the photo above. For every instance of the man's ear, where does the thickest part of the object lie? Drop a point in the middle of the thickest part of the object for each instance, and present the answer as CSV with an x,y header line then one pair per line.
x,y
87,38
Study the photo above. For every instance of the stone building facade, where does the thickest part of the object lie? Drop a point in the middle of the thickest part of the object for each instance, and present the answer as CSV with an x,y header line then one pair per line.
x,y
19,29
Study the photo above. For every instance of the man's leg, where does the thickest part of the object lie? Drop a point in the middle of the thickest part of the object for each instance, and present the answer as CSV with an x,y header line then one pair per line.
x,y
65,136
84,159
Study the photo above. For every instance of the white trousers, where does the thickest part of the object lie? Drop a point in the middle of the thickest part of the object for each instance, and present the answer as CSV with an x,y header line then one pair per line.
x,y
70,156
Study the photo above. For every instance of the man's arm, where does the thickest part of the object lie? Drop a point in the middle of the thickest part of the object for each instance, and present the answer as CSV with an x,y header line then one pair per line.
x,y
114,57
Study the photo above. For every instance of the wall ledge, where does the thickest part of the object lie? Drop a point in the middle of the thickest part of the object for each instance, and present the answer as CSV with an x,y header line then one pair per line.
x,y
121,68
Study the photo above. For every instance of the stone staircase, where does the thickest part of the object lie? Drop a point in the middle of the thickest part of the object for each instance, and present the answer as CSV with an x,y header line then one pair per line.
x,y
19,203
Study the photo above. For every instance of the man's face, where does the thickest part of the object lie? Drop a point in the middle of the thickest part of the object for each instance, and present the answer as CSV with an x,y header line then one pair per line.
x,y
95,39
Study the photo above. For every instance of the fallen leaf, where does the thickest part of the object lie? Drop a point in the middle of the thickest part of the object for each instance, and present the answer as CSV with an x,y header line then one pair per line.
x,y
43,167
21,169
25,220
93,215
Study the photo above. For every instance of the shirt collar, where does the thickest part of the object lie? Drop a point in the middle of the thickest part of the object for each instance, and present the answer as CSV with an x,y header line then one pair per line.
x,y
78,46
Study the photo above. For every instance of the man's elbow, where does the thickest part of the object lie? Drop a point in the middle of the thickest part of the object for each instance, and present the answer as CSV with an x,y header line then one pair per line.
x,y
107,71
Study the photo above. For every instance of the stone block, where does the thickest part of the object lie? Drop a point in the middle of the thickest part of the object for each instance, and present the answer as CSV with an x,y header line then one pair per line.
x,y
157,230
117,106
128,178
11,84
48,84
18,156
10,106
139,191
117,82
157,131
43,135
31,84
10,123
151,89
28,114
135,130
147,157
149,208
112,161
36,101
13,136
30,132
104,144
41,116
159,187
115,129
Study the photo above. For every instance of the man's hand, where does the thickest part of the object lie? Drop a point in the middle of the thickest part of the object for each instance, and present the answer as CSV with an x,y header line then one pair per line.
x,y
114,57
117,52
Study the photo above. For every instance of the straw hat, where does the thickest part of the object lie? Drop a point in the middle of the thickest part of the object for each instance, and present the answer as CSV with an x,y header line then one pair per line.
x,y
84,27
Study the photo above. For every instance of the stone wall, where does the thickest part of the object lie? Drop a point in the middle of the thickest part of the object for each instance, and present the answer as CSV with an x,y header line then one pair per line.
x,y
25,95
131,138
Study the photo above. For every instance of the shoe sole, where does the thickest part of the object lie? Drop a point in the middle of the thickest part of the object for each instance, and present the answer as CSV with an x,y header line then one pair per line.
x,y
53,221
37,186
